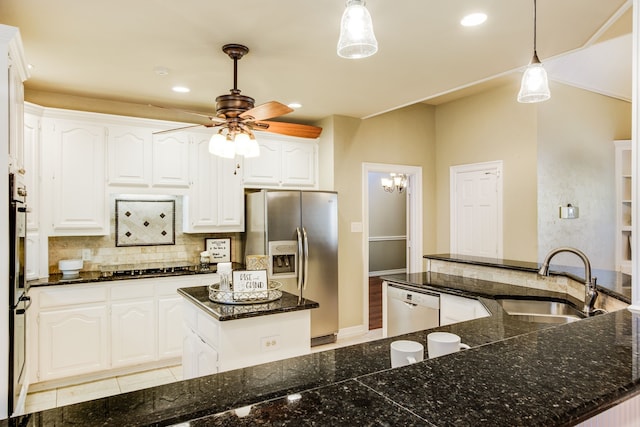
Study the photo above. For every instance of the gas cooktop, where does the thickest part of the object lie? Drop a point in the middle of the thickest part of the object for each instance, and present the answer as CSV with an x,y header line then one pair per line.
x,y
144,269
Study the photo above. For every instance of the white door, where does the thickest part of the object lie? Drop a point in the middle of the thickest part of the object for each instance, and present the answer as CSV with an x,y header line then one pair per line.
x,y
476,209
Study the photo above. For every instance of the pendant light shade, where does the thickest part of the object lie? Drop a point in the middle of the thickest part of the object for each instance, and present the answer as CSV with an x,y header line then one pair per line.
x,y
356,32
535,85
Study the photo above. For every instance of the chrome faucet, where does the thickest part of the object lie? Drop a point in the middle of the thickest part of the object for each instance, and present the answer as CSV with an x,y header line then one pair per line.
x,y
590,292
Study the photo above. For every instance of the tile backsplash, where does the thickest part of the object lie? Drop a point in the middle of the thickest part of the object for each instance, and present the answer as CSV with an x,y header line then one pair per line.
x,y
104,251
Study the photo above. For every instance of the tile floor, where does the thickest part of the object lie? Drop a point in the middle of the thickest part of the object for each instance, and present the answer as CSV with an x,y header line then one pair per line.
x,y
62,396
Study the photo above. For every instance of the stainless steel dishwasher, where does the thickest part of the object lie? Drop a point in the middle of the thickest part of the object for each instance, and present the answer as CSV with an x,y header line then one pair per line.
x,y
411,310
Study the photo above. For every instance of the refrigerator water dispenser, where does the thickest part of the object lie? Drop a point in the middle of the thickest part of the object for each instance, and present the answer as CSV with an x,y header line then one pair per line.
x,y
283,259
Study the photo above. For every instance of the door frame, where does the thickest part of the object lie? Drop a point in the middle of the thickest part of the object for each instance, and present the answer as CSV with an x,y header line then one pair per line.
x,y
414,223
488,167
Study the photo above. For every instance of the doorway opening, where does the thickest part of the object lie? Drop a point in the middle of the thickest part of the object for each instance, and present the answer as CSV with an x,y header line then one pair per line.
x,y
392,232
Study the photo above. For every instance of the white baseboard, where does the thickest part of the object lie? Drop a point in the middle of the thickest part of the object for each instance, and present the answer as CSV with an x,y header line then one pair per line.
x,y
352,331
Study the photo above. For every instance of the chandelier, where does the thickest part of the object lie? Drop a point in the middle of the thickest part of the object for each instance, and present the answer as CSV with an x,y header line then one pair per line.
x,y
396,181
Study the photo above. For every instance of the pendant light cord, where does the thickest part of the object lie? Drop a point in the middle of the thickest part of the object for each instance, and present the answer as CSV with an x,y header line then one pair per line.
x,y
535,26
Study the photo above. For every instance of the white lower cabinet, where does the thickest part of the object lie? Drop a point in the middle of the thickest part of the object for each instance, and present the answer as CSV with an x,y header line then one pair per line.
x,y
216,346
454,309
72,341
94,328
198,358
132,333
170,328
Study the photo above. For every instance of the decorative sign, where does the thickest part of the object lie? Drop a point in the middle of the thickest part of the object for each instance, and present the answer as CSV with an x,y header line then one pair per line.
x,y
249,280
219,249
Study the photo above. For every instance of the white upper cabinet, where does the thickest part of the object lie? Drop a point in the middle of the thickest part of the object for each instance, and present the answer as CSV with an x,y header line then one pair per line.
x,y
129,156
171,160
284,162
31,135
75,153
215,202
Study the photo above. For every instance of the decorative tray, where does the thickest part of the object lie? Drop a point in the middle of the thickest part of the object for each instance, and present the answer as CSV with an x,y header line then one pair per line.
x,y
272,293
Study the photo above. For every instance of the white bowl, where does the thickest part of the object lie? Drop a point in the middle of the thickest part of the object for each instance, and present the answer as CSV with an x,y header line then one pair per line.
x,y
70,267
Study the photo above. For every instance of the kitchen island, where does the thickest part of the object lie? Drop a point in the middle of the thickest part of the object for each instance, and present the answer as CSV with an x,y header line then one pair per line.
x,y
516,373
220,337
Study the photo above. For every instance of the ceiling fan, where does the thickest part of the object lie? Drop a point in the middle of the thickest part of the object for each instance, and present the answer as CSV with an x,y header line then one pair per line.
x,y
237,117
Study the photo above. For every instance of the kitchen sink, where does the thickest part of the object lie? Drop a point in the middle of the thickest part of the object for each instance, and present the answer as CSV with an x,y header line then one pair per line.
x,y
541,311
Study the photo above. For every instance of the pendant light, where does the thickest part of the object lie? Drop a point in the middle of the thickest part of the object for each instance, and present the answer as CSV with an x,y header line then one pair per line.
x,y
535,86
356,32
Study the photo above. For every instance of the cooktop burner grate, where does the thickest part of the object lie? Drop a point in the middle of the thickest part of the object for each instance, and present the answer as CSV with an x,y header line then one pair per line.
x,y
142,269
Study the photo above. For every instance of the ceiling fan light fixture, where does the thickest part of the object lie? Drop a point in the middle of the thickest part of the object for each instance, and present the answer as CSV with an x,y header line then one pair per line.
x,y
242,143
535,84
216,144
357,39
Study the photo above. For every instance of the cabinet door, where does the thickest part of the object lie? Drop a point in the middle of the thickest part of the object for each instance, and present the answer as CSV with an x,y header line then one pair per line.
x,y
230,195
129,156
132,332
454,309
198,357
265,169
170,328
32,169
215,202
78,178
171,160
201,203
298,164
16,114
32,265
72,341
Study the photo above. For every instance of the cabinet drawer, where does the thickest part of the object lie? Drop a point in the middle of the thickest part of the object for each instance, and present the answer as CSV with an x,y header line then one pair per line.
x,y
132,290
208,329
72,296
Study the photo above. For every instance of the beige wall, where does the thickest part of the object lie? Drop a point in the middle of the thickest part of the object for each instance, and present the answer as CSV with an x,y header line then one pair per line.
x,y
576,130
486,127
405,137
483,127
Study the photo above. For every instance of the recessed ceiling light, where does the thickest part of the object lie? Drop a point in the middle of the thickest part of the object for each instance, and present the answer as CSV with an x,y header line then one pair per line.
x,y
473,19
294,105
161,71
181,89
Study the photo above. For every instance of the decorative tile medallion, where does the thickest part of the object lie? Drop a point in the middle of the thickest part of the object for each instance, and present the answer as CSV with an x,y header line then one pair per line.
x,y
145,222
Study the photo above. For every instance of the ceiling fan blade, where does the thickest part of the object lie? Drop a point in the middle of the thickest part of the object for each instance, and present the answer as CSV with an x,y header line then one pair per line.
x,y
195,113
265,111
291,129
181,128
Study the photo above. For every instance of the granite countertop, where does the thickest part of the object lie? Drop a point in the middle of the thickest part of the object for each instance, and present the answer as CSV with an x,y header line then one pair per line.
x,y
516,373
613,283
199,295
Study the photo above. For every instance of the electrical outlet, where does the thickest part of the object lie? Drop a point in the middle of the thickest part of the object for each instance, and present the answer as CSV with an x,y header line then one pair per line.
x,y
86,254
270,343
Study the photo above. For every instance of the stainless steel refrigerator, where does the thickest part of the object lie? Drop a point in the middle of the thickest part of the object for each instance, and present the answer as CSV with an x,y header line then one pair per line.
x,y
298,232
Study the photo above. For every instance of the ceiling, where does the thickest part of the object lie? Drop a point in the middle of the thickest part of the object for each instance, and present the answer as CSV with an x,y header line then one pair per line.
x,y
110,49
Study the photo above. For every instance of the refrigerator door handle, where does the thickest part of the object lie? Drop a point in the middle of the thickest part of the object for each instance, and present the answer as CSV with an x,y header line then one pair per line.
x,y
299,254
306,257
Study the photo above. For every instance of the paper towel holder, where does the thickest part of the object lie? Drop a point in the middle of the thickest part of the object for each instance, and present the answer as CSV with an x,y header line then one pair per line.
x,y
569,212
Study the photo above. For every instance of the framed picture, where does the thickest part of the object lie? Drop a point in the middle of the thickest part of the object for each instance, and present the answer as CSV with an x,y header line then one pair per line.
x,y
219,249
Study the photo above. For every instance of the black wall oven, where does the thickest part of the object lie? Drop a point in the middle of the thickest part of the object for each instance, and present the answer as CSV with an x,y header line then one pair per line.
x,y
18,300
